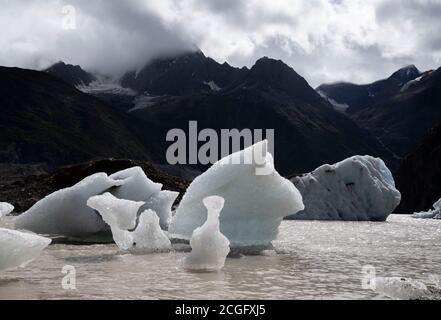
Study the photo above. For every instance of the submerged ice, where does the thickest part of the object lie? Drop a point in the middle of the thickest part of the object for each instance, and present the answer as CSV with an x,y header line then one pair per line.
x,y
359,188
431,214
209,246
122,217
254,204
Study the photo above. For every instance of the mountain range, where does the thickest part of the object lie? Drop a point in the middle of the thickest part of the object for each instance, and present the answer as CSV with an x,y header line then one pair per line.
x,y
170,92
358,97
66,115
46,120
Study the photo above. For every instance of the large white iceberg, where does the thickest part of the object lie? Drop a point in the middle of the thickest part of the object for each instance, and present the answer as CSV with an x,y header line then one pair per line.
x,y
209,246
5,209
19,248
360,188
431,214
256,199
65,212
122,217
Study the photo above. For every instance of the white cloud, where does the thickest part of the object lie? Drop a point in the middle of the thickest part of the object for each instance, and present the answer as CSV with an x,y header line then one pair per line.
x,y
324,40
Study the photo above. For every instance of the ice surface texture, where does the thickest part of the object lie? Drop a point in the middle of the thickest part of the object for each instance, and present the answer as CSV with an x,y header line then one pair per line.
x,y
19,248
121,215
360,188
431,214
5,209
254,204
137,187
66,213
209,246
401,288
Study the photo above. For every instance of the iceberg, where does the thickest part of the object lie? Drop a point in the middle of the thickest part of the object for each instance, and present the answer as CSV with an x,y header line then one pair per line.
x,y
122,216
65,212
5,209
431,214
19,248
119,214
256,199
148,236
360,188
209,246
162,204
137,187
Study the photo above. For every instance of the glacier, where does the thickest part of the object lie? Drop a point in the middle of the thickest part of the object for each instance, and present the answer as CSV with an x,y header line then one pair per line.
x,y
65,212
431,214
5,209
122,217
19,248
256,199
360,188
209,246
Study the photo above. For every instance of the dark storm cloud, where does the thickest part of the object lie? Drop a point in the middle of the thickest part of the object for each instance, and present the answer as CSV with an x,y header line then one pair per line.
x,y
110,36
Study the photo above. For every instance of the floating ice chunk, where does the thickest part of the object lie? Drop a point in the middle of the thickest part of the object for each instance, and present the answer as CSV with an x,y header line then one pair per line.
x,y
358,189
162,204
431,214
254,204
149,236
19,248
209,246
121,215
116,212
401,288
138,187
5,209
65,212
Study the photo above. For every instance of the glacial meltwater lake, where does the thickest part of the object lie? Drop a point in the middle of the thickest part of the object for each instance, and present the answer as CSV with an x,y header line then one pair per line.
x,y
314,260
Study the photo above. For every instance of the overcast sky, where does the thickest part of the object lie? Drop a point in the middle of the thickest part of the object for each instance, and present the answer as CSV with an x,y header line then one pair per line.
x,y
323,40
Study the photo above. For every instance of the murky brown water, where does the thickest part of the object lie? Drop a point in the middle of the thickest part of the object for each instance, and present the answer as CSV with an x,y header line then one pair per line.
x,y
315,260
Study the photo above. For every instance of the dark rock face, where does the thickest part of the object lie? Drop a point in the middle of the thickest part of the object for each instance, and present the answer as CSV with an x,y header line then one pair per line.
x,y
23,192
308,131
359,97
185,74
71,74
418,177
45,120
402,121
